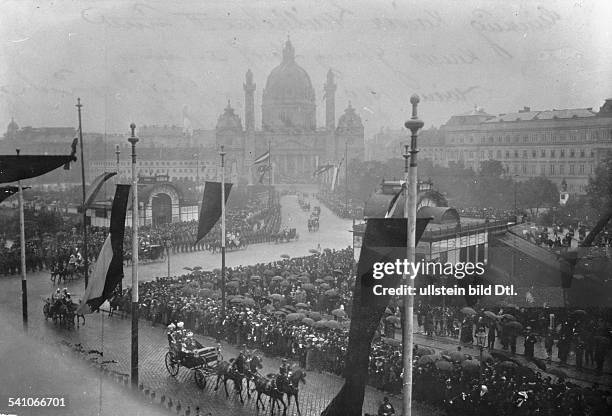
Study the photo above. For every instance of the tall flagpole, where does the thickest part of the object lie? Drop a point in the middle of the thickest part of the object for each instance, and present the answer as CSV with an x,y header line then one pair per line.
x,y
222,153
410,213
134,361
117,181
83,207
24,285
269,176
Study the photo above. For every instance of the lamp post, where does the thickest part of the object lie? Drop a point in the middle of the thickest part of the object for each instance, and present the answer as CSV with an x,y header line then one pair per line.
x,y
24,284
134,358
410,177
481,340
222,153
83,207
197,158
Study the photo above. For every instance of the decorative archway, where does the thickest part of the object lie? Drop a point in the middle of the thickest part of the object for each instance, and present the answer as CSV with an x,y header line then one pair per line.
x,y
162,204
161,209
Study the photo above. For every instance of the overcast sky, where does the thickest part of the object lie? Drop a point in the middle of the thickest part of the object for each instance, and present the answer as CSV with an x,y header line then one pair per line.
x,y
160,62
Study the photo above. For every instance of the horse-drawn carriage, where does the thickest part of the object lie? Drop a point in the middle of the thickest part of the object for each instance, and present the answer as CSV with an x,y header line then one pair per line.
x,y
202,361
313,224
62,311
285,236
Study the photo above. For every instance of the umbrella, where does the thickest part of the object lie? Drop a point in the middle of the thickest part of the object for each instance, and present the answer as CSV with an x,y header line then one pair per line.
x,y
539,363
302,305
290,308
328,279
486,357
579,312
315,316
421,351
331,292
277,278
508,364
248,301
514,325
325,286
427,359
304,279
490,315
557,372
318,281
280,313
292,277
285,273
269,273
393,319
337,271
295,317
268,308
308,321
456,356
468,311
320,324
332,324
340,313
444,366
508,317
313,251
256,278
470,365
304,311
285,283
308,286
285,256
276,296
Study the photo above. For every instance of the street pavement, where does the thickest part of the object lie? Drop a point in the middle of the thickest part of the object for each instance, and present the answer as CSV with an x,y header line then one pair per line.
x,y
112,335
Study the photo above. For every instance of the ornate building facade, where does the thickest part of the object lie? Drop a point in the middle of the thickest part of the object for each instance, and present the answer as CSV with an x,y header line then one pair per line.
x,y
289,126
562,145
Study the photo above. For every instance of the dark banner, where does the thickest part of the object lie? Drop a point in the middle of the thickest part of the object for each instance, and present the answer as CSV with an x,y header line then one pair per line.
x,y
211,207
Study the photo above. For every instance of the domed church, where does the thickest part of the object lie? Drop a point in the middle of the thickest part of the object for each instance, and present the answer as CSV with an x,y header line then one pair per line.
x,y
289,126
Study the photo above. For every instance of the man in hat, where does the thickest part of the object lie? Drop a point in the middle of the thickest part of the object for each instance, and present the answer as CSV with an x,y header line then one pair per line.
x,y
283,372
530,341
386,408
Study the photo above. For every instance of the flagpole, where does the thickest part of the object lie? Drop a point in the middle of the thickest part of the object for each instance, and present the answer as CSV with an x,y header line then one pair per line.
x,y
134,359
269,176
346,174
83,207
222,153
117,181
410,213
24,285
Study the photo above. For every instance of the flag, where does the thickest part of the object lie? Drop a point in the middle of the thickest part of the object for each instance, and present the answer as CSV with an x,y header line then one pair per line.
x,y
262,158
211,207
14,168
321,169
335,177
7,191
262,172
95,186
108,269
394,202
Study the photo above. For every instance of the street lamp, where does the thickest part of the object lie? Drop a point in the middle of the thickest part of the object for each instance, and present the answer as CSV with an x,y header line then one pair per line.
x,y
196,156
410,211
222,153
134,357
481,341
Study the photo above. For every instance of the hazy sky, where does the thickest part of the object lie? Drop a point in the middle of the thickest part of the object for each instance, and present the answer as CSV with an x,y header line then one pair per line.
x,y
153,62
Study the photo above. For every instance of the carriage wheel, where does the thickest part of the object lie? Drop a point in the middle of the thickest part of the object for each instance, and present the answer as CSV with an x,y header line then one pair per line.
x,y
171,364
200,378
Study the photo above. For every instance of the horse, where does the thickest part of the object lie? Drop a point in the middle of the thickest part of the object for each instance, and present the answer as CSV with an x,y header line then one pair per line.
x,y
290,386
267,386
252,366
224,371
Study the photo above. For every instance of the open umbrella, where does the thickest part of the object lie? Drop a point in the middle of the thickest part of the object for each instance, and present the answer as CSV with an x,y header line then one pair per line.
x,y
391,341
457,356
444,366
332,324
308,286
471,366
313,251
302,305
276,278
490,315
539,363
337,271
330,293
516,326
468,311
308,321
340,313
508,317
285,256
393,319
320,324
304,311
315,316
427,359
304,279
285,283
256,278
328,279
508,364
295,317
579,312
279,313
269,273
486,357
319,281
421,351
276,296
290,308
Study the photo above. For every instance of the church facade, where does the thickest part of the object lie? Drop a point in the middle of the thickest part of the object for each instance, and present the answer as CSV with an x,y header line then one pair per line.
x,y
289,126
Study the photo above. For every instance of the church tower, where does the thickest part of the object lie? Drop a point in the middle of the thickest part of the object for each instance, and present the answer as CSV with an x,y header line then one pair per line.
x,y
249,102
330,102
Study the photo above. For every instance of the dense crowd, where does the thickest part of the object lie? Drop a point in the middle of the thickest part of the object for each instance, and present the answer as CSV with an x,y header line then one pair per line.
x,y
297,308
340,206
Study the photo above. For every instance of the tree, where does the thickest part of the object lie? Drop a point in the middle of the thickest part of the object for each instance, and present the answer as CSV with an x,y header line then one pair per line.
x,y
599,193
536,193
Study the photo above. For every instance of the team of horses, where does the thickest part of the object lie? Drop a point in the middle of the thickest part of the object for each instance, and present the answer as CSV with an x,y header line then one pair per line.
x,y
274,386
66,272
63,312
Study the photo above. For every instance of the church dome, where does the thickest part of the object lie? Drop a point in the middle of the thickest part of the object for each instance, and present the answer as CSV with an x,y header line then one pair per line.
x,y
288,98
229,120
289,81
350,120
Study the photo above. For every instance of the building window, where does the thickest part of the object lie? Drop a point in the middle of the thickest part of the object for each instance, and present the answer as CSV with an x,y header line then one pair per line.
x,y
524,154
581,152
490,154
507,154
524,168
516,154
534,154
572,153
571,169
498,154
551,169
552,153
561,169
561,153
581,171
542,153
542,170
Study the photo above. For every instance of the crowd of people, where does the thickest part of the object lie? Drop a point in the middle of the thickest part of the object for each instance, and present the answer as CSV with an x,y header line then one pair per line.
x,y
339,206
297,308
